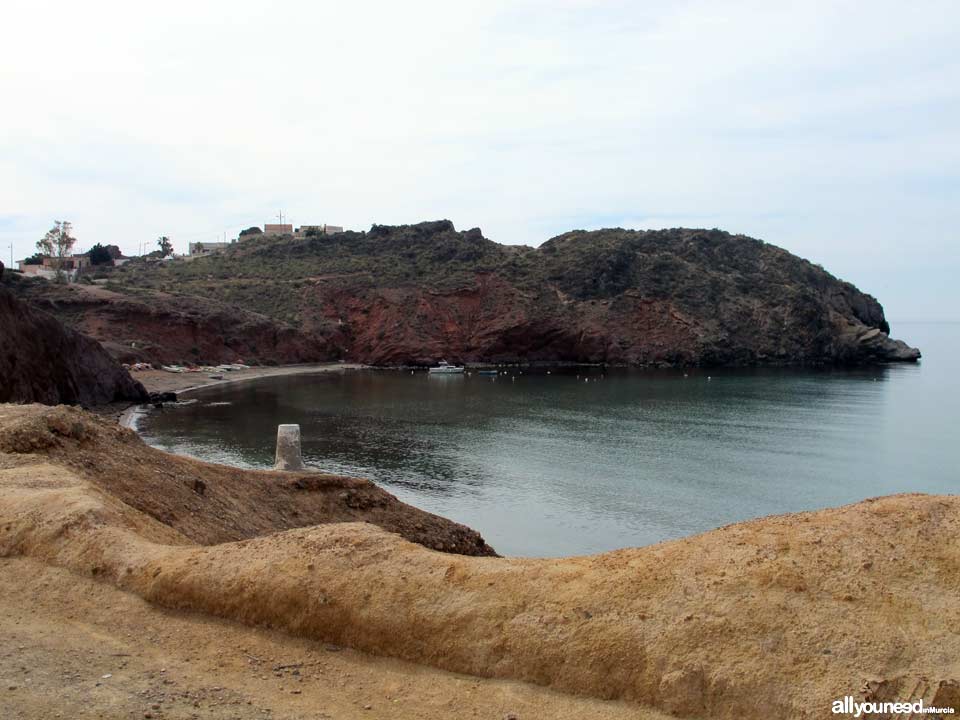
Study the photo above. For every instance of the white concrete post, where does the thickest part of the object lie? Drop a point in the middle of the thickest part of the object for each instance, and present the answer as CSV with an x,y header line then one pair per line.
x,y
288,448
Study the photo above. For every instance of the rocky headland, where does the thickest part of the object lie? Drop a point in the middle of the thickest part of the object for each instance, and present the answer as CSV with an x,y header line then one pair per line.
x,y
414,294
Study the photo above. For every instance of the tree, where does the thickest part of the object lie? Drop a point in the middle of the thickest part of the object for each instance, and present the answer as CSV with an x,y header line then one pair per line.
x,y
100,255
35,259
58,244
251,231
166,247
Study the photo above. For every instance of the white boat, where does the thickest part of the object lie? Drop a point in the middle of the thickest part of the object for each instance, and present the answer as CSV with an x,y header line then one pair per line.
x,y
445,368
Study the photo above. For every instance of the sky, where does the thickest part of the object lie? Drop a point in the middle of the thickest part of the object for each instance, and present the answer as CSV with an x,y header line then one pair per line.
x,y
831,129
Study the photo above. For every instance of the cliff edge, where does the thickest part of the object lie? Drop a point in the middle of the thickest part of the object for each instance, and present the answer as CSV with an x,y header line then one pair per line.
x,y
43,361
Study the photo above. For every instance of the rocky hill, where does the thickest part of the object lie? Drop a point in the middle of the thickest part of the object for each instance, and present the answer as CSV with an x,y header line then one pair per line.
x,y
139,324
419,293
42,361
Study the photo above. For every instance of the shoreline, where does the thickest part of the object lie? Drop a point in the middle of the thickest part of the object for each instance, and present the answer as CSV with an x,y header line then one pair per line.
x,y
161,381
241,546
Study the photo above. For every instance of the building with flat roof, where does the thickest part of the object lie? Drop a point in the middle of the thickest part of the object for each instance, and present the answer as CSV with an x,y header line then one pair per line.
x,y
71,266
278,229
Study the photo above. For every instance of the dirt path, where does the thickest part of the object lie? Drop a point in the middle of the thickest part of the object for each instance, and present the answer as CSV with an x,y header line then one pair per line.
x,y
71,647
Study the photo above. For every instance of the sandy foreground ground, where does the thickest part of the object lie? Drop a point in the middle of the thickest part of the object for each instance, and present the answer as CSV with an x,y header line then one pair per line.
x,y
71,647
74,647
135,583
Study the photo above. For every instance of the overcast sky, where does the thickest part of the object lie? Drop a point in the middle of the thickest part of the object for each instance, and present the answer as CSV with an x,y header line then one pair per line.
x,y
831,129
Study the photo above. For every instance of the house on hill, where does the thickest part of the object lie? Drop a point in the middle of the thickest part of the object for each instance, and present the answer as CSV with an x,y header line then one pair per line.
x,y
47,266
281,229
278,229
199,249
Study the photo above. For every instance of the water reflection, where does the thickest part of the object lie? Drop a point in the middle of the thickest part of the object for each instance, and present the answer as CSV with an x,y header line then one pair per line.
x,y
560,464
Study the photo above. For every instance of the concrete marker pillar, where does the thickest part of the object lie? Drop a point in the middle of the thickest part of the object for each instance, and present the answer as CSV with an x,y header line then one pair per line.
x,y
288,448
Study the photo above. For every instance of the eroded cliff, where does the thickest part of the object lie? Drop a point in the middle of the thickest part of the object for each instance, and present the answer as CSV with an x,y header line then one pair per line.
x,y
43,361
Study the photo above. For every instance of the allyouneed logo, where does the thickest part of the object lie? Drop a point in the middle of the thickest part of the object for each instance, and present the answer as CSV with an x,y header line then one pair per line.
x,y
849,706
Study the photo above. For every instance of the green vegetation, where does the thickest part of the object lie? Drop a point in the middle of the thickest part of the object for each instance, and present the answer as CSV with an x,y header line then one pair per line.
x,y
58,244
282,276
100,255
272,275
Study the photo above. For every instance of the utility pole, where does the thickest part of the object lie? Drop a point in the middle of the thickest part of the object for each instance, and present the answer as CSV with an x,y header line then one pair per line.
x,y
280,216
11,256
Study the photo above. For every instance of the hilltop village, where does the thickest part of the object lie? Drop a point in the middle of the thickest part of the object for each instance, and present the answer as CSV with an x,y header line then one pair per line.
x,y
56,259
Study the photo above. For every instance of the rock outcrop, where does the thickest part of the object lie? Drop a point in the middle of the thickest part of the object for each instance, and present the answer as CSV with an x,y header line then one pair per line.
x,y
419,293
164,328
664,298
42,361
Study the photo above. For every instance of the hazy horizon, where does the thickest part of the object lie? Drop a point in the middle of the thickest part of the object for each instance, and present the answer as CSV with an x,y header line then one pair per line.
x,y
827,129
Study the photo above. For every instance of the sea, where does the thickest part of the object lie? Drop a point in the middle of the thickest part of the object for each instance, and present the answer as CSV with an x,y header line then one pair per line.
x,y
583,460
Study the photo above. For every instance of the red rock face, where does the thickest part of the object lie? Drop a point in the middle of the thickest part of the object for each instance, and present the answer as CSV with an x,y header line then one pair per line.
x,y
165,335
42,361
496,322
182,330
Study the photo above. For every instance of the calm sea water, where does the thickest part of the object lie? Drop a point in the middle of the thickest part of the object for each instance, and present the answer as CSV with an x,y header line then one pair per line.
x,y
559,464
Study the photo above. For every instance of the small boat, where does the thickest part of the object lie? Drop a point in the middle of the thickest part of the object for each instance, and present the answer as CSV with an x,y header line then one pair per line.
x,y
445,368
488,372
